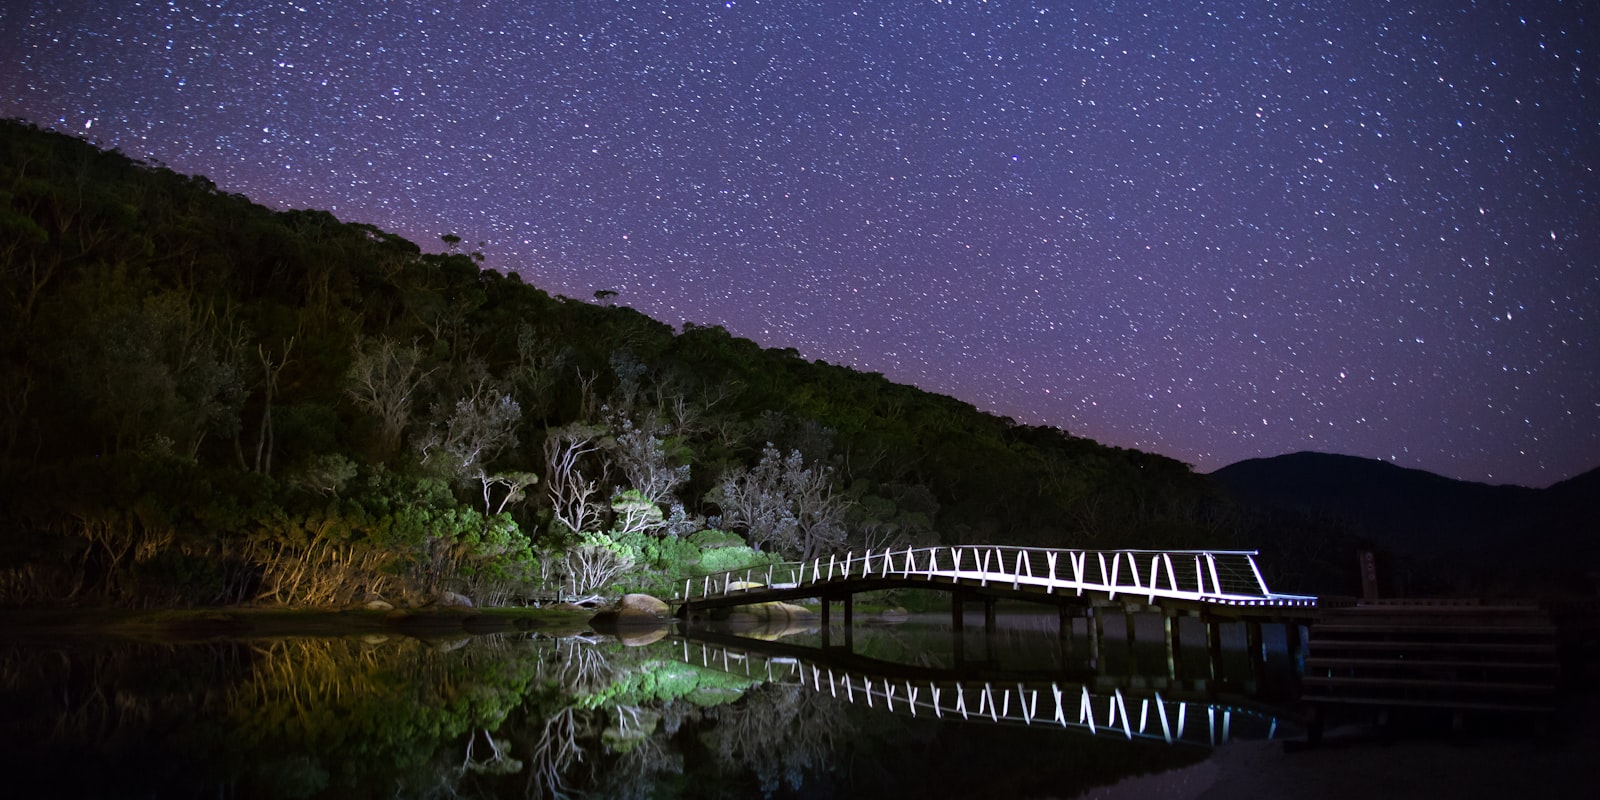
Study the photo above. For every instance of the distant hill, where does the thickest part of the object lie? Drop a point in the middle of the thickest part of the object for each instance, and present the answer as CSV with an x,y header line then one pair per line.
x,y
1429,518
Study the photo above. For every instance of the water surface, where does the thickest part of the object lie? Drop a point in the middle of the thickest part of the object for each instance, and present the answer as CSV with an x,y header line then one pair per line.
x,y
904,712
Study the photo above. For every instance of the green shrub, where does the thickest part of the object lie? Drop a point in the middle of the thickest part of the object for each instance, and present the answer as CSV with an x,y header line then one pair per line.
x,y
724,559
711,539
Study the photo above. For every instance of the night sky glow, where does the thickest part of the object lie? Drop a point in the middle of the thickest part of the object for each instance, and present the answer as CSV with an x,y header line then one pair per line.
x,y
1212,230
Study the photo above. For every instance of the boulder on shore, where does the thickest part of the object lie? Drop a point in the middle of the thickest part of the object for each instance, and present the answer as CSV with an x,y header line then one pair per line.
x,y
769,621
633,609
452,600
772,613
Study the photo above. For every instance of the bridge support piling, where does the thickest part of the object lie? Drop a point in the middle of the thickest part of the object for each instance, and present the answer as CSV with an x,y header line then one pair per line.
x,y
1255,647
1097,633
1213,647
1065,635
1129,630
990,628
1294,642
1172,630
958,626
825,620
850,622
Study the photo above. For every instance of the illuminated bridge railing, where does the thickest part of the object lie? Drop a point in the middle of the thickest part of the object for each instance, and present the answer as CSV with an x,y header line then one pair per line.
x,y
1222,577
1150,717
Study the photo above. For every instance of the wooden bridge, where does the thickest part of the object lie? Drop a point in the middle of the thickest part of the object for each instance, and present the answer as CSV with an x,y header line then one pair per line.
x,y
1193,579
1217,586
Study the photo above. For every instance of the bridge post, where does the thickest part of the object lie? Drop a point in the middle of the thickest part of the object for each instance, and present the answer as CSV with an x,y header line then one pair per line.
x,y
1097,633
1065,633
1291,635
1291,632
1171,630
958,639
989,629
1256,649
1128,631
1213,646
825,622
850,622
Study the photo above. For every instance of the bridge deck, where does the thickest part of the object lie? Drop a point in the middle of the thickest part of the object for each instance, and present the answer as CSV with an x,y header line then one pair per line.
x,y
1213,578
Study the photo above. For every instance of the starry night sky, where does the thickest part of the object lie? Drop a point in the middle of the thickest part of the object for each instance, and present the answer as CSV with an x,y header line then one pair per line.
x,y
1212,230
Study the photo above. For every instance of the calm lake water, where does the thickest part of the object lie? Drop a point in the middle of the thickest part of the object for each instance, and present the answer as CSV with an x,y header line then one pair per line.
x,y
905,712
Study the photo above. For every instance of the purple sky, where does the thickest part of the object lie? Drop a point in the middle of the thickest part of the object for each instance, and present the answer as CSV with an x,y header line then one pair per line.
x,y
1212,230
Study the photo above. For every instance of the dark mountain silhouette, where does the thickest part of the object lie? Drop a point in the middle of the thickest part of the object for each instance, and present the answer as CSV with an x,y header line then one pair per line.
x,y
1438,525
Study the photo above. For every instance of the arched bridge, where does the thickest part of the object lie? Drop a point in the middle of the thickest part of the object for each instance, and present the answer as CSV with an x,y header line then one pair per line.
x,y
1209,580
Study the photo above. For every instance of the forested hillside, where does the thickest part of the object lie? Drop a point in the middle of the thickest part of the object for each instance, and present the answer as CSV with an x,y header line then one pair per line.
x,y
206,401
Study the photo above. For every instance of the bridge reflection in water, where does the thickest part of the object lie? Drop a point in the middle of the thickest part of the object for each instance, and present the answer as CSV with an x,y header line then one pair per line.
x,y
1027,698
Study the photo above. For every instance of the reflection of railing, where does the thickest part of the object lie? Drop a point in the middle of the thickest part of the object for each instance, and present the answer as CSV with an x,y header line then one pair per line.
x,y
1222,577
1129,714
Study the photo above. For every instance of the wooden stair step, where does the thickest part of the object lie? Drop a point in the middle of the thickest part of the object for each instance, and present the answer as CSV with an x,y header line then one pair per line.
x,y
1390,645
1325,628
1412,663
1441,609
1419,683
1474,705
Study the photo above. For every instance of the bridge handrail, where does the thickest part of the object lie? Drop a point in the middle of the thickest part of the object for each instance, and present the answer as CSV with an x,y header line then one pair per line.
x,y
1227,577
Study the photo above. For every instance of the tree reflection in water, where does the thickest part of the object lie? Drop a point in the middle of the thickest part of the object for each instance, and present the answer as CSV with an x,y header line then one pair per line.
x,y
778,732
491,716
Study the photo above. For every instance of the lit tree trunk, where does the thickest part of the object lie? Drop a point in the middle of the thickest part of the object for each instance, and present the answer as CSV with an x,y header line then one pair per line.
x,y
571,492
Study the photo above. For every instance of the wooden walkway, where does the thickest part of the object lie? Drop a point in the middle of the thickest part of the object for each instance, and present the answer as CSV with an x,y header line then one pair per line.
x,y
1196,578
1458,656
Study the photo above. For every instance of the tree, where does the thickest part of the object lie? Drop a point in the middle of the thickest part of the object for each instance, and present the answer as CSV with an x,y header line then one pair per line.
x,y
633,512
466,437
628,391
641,454
150,371
271,367
383,380
537,370
566,451
818,512
783,504
752,500
591,565
515,483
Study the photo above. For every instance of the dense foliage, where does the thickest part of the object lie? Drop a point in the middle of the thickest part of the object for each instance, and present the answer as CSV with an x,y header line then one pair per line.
x,y
206,401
